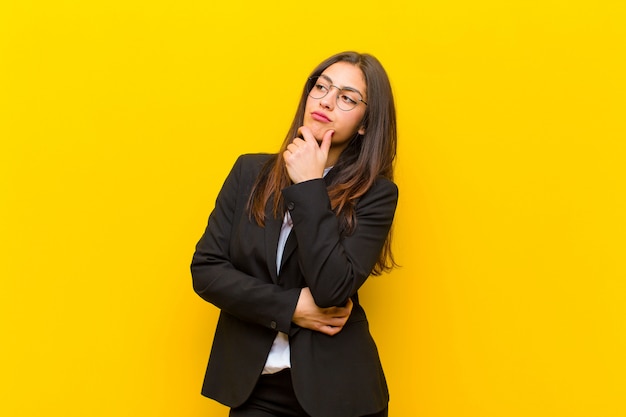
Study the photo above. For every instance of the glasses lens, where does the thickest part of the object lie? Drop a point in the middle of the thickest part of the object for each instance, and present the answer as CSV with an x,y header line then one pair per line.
x,y
348,99
318,87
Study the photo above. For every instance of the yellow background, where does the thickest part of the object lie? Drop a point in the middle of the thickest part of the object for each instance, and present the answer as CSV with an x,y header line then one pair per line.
x,y
120,119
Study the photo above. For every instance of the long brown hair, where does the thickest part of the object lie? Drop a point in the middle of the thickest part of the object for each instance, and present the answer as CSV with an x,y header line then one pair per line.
x,y
366,157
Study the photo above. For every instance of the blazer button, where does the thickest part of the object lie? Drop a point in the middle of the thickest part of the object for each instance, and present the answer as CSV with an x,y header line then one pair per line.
x,y
291,205
273,325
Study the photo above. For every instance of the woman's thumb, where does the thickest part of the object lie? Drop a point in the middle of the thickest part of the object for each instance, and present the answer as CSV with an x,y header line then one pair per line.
x,y
326,141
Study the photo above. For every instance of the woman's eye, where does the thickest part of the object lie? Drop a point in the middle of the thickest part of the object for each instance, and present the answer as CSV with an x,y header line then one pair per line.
x,y
321,87
347,99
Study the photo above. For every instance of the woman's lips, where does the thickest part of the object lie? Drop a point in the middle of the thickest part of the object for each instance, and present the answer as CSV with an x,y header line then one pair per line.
x,y
320,117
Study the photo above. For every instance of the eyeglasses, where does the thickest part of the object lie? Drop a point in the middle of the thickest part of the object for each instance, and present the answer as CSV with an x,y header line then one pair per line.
x,y
347,98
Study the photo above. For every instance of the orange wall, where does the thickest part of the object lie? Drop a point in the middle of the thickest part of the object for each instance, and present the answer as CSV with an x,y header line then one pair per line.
x,y
119,121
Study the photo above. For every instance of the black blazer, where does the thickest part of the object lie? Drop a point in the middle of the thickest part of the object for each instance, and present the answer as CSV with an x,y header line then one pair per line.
x,y
234,268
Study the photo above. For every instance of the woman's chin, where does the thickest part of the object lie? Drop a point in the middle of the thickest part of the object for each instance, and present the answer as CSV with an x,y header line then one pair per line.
x,y
317,130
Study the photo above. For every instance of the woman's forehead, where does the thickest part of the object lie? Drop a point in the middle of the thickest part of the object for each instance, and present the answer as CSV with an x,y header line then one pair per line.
x,y
345,74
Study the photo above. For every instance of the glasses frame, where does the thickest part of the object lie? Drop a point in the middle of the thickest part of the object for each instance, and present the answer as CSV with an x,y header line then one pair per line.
x,y
311,81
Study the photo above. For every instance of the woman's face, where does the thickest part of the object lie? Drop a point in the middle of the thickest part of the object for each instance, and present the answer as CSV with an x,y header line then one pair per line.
x,y
323,114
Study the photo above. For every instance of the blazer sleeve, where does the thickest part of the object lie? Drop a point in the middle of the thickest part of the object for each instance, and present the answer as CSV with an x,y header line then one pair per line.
x,y
335,266
216,280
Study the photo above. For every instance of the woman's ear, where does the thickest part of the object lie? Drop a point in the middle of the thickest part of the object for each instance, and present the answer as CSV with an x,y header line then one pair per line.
x,y
361,130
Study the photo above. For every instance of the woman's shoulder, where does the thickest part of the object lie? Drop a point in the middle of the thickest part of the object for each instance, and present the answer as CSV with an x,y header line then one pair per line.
x,y
382,191
384,185
255,158
253,161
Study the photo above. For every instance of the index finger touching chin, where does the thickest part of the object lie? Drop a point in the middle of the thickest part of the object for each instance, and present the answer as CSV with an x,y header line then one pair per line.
x,y
303,131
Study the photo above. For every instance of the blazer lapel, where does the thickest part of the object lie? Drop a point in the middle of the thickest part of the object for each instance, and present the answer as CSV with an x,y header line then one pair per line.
x,y
272,232
290,247
292,242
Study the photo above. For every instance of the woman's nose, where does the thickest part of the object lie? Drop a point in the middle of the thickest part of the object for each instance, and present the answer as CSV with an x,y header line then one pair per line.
x,y
328,101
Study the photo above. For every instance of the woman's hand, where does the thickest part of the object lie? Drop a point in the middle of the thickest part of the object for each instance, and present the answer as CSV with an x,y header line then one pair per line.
x,y
304,158
329,320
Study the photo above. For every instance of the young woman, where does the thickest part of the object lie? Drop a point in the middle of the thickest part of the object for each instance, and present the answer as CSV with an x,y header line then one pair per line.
x,y
292,238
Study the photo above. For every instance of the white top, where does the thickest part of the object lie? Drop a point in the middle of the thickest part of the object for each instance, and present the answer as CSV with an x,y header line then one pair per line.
x,y
279,357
